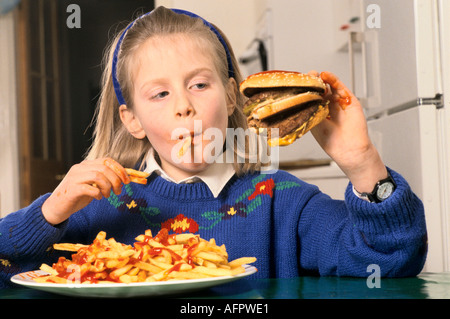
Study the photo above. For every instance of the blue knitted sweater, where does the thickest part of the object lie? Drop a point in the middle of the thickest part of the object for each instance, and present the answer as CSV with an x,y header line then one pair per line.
x,y
290,226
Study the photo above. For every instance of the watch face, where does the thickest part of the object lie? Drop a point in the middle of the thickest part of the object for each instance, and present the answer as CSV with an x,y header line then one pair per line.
x,y
385,190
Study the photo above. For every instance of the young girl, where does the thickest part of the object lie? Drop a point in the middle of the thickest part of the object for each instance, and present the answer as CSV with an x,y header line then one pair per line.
x,y
168,70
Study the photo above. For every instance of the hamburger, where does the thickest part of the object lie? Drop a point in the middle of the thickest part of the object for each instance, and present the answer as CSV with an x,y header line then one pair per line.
x,y
290,101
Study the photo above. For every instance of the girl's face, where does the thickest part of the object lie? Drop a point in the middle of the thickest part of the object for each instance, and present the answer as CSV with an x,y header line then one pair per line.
x,y
178,92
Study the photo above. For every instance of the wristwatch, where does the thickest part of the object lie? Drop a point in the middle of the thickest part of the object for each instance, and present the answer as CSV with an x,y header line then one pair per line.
x,y
383,190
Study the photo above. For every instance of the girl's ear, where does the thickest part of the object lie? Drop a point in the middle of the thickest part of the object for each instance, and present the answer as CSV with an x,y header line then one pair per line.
x,y
131,122
232,92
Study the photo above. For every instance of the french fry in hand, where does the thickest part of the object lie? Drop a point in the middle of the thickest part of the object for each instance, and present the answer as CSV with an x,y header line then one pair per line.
x,y
137,176
151,258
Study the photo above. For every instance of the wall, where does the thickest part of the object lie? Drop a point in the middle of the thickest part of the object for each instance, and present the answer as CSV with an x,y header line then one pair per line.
x,y
236,18
9,186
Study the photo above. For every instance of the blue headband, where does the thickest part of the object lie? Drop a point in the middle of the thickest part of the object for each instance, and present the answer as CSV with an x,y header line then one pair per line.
x,y
116,84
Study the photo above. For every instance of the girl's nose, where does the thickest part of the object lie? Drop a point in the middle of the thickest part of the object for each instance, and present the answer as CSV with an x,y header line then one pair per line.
x,y
185,111
184,108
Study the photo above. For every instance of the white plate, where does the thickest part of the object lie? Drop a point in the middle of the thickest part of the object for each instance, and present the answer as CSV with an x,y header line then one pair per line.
x,y
126,290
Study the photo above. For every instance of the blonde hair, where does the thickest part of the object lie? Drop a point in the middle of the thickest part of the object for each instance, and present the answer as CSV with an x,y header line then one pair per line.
x,y
111,138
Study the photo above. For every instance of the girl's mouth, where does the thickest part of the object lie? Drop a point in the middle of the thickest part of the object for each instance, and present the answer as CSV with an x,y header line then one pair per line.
x,y
194,137
189,140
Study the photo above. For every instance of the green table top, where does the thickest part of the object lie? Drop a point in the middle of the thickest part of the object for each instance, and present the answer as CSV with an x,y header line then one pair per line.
x,y
424,286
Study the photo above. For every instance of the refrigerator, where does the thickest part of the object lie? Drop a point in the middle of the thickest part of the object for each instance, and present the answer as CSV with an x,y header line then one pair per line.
x,y
395,56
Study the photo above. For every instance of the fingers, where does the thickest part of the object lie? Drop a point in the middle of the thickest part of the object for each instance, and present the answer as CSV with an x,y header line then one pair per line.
x,y
334,82
93,191
104,181
108,175
97,178
118,169
313,73
340,93
83,182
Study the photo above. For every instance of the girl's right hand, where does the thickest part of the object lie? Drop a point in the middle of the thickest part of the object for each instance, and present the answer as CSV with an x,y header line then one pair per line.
x,y
83,182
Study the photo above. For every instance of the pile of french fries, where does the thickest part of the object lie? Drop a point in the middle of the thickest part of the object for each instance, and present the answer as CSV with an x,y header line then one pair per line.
x,y
152,258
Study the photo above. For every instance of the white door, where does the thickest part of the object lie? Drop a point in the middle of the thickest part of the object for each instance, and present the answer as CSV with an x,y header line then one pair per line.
x,y
388,43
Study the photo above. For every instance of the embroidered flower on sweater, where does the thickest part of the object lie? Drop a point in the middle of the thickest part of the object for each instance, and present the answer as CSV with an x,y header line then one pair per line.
x,y
5,263
133,205
228,211
128,203
7,267
181,224
263,188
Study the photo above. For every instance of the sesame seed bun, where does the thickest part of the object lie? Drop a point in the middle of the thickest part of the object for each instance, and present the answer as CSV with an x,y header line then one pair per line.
x,y
280,79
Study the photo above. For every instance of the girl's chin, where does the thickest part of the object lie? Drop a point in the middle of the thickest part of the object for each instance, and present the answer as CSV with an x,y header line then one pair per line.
x,y
194,166
182,171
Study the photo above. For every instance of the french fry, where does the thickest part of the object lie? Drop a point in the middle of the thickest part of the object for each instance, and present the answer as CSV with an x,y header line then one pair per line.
x,y
137,176
237,270
213,257
108,255
148,267
186,145
241,261
142,275
133,172
48,269
151,258
184,238
68,247
213,272
120,271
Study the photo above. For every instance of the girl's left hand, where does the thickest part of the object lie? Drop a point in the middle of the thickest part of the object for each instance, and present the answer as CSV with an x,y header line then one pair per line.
x,y
344,136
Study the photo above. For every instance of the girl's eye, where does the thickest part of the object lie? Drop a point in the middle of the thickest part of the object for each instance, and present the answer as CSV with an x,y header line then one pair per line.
x,y
160,95
200,86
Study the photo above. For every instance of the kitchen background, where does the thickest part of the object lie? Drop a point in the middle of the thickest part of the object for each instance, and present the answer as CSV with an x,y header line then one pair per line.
x,y
395,55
